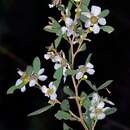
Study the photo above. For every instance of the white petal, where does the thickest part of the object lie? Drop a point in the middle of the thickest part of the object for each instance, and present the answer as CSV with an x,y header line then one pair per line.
x,y
69,32
95,98
47,56
95,10
63,29
89,65
18,82
32,83
53,96
100,105
44,89
87,24
57,58
101,116
51,85
68,21
50,5
87,14
96,29
23,89
57,66
20,72
79,75
90,71
41,71
42,77
92,115
109,102
102,21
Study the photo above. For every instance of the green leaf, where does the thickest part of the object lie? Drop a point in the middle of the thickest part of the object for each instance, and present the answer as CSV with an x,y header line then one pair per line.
x,y
84,5
61,115
104,13
85,102
91,85
83,47
69,7
110,111
88,58
65,106
58,73
29,70
71,72
37,112
108,29
83,18
104,85
66,127
68,91
57,41
36,64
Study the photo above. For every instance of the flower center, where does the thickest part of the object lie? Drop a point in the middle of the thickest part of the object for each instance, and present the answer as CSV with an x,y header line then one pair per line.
x,y
50,91
97,111
83,69
94,19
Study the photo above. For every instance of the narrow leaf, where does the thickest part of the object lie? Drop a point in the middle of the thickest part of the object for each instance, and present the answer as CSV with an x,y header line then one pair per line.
x,y
66,127
36,64
57,41
88,58
91,85
110,111
83,47
104,13
108,29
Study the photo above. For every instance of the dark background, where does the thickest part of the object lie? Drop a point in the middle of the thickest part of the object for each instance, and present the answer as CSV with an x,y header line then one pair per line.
x,y
22,38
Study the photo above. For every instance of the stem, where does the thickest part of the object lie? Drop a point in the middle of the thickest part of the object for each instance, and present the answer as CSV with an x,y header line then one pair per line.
x,y
95,122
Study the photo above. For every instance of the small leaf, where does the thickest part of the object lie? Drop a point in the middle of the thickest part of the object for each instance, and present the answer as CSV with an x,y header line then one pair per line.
x,y
91,85
36,64
83,18
104,13
68,91
88,58
69,7
29,70
110,111
61,115
71,72
37,112
66,127
104,85
57,41
58,73
65,106
84,5
83,47
108,29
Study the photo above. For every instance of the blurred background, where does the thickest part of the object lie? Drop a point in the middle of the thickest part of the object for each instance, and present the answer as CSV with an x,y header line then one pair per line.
x,y
22,38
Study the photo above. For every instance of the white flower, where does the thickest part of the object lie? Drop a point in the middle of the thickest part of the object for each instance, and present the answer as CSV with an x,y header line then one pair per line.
x,y
94,20
68,21
97,109
38,76
89,68
51,5
50,91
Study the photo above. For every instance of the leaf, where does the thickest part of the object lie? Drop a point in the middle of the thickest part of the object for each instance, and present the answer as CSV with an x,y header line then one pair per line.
x,y
65,106
108,29
61,115
91,85
57,41
37,112
85,102
70,55
110,111
58,73
71,72
36,64
29,70
88,58
66,127
83,47
83,18
104,85
69,7
68,91
84,5
104,13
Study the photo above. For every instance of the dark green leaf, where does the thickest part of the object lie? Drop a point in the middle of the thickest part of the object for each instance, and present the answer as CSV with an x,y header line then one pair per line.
x,y
61,115
108,29
36,64
88,58
83,18
66,127
65,106
69,7
58,73
84,5
57,41
110,111
68,91
91,85
37,112
29,70
104,85
104,13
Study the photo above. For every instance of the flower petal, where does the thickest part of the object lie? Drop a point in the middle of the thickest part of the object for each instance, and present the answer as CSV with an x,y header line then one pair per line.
x,y
102,21
90,71
79,75
96,29
41,71
87,24
63,29
42,77
95,10
53,96
68,21
18,82
57,66
44,89
23,89
89,65
47,56
101,116
100,105
32,82
92,115
20,72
